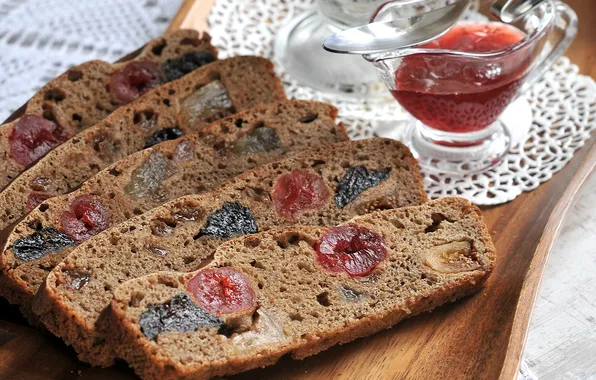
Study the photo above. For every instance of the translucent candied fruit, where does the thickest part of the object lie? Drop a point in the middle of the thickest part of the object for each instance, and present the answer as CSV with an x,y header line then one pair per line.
x,y
86,216
147,178
32,137
209,103
298,192
135,79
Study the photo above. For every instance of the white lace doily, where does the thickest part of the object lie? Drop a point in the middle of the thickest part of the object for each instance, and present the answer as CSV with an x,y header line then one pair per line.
x,y
563,104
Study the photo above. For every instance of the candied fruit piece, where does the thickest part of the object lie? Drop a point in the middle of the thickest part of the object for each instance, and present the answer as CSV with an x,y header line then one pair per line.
x,y
209,103
222,291
299,191
161,227
135,79
356,181
86,217
40,184
178,67
231,220
260,140
32,137
179,314
157,250
40,243
351,249
188,214
147,178
34,199
185,151
77,279
163,135
454,257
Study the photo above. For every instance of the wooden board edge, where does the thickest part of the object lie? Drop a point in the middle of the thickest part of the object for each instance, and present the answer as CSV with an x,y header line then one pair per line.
x,y
533,278
192,15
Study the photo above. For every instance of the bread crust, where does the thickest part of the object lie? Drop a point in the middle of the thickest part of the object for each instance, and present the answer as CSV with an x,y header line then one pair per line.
x,y
166,359
79,98
69,314
209,165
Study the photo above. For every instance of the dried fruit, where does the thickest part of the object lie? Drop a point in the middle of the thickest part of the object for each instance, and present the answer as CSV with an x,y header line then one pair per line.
x,y
32,137
86,217
106,145
76,279
178,67
161,227
163,135
185,151
350,294
40,184
299,191
351,249
40,243
180,314
260,140
135,79
452,257
222,291
209,103
231,220
157,250
34,199
356,181
147,178
188,214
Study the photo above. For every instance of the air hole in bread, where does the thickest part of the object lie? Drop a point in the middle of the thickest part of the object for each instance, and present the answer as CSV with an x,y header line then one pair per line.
x,y
111,195
257,264
158,49
238,123
323,299
74,75
252,242
35,225
221,166
363,158
317,163
48,114
305,266
166,101
309,118
260,285
136,298
295,316
137,211
224,129
398,224
189,260
189,41
77,117
44,207
55,95
437,218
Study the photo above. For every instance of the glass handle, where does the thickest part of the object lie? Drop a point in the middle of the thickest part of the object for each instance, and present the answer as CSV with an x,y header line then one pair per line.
x,y
510,10
566,22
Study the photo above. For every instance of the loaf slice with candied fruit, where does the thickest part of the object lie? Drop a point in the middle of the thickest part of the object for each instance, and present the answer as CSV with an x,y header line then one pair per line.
x,y
89,92
323,186
300,290
185,105
189,165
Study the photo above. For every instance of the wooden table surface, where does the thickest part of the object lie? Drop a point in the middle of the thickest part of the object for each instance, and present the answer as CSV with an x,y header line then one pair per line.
x,y
562,338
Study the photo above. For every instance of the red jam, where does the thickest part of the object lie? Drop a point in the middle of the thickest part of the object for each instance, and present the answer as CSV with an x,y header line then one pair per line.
x,y
34,199
86,217
299,191
456,94
135,79
351,249
32,137
222,291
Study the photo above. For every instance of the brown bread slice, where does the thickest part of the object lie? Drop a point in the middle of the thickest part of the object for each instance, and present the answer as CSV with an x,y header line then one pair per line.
x,y
301,308
247,81
195,164
80,98
178,235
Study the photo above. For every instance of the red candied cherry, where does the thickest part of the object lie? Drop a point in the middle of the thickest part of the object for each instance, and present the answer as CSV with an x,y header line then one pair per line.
x,y
32,137
86,217
135,79
351,249
34,199
222,291
299,191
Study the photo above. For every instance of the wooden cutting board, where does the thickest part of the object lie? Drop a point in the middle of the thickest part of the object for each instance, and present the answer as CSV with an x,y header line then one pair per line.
x,y
480,337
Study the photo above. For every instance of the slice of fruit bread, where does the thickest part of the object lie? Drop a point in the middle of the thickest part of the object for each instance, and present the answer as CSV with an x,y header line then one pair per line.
x,y
185,105
300,290
88,93
324,186
189,165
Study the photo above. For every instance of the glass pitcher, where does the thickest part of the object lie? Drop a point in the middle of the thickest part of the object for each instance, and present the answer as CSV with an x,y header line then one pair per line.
x,y
456,96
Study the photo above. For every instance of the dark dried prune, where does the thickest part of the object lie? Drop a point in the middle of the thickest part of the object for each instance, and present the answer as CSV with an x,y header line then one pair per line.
x,y
180,314
230,220
40,243
179,67
260,140
163,135
356,181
